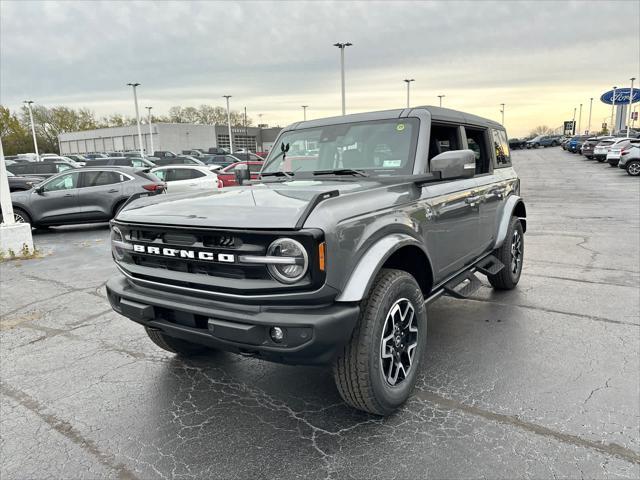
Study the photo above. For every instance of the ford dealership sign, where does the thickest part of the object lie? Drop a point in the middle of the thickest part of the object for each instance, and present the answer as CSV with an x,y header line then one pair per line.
x,y
622,96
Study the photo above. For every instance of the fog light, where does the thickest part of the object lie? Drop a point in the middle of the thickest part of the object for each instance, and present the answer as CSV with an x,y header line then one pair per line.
x,y
277,334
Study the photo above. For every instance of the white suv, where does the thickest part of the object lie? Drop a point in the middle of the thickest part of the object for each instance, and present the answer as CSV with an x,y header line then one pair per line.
x,y
615,151
630,159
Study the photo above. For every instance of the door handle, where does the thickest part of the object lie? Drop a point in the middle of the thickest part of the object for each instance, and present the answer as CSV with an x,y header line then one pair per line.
x,y
113,190
68,195
473,200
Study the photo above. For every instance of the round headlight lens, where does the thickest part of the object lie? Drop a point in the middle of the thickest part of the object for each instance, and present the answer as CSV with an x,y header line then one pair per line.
x,y
295,253
117,242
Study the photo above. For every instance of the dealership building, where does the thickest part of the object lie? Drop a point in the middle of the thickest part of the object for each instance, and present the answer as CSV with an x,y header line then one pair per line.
x,y
174,137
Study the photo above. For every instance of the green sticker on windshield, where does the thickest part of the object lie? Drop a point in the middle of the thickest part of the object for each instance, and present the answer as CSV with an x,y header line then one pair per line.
x,y
400,127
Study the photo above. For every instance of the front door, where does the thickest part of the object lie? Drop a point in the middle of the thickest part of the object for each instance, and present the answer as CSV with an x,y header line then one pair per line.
x,y
58,200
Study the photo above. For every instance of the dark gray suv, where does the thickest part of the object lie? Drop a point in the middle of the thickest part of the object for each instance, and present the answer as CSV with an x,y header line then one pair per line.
x,y
357,223
82,195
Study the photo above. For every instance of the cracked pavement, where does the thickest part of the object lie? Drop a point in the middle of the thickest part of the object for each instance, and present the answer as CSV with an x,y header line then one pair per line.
x,y
539,382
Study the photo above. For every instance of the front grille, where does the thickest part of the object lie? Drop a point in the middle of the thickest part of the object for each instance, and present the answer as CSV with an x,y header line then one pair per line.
x,y
186,269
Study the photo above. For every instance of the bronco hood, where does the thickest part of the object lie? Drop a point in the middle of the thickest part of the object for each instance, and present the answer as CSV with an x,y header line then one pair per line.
x,y
269,205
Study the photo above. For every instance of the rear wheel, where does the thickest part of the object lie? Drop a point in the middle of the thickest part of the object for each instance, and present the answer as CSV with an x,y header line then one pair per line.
x,y
175,345
511,254
633,168
376,371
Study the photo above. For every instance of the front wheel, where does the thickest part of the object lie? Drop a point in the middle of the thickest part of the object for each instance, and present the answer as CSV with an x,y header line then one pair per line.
x,y
19,215
633,168
511,254
377,370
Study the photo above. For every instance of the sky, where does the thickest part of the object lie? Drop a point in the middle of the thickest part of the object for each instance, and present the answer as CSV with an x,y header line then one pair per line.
x,y
541,59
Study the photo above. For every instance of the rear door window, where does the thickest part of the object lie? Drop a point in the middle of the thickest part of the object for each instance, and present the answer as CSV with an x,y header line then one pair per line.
x,y
101,178
501,147
45,168
478,142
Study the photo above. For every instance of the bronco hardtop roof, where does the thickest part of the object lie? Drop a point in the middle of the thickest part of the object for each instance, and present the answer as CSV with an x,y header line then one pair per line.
x,y
437,114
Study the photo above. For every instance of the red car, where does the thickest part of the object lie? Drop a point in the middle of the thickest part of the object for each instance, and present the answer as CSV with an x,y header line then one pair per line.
x,y
227,175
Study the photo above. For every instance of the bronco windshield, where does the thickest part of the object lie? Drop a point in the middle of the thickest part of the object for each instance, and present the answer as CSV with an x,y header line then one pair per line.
x,y
381,147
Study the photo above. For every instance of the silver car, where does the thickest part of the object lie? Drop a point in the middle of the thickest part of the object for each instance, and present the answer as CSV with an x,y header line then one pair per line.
x,y
87,195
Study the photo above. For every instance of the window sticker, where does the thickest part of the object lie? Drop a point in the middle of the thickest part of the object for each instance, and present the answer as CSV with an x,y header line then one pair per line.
x,y
392,163
400,127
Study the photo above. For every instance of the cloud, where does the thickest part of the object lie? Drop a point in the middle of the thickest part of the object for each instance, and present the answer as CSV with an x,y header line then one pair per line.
x,y
274,56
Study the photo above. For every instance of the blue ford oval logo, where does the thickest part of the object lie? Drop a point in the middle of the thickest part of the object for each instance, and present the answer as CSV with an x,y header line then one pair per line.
x,y
622,96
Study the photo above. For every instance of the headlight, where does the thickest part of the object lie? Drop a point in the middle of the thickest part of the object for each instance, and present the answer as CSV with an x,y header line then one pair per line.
x,y
296,264
118,243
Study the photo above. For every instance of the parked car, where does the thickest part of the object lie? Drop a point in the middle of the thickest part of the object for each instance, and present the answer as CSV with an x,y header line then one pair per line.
x,y
121,161
333,264
576,142
615,151
194,153
227,175
248,157
217,151
164,154
185,178
517,143
79,159
177,160
602,148
96,155
45,168
590,143
18,184
221,161
633,133
543,141
87,195
630,159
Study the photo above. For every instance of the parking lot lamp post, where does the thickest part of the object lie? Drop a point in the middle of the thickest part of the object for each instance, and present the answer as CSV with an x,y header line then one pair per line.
x,y
304,112
502,112
613,106
135,101
229,124
150,129
630,104
342,46
580,121
408,81
441,97
33,128
590,105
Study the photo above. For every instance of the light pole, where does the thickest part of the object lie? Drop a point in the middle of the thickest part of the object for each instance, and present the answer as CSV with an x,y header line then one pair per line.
x,y
342,46
408,81
304,112
229,123
630,104
33,128
135,100
441,97
502,112
590,106
613,106
150,129
580,121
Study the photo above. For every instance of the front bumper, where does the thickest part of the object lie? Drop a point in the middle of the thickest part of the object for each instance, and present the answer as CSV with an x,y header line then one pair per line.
x,y
313,333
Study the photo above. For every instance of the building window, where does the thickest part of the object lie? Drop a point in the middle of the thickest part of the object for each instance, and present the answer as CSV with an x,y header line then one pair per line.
x,y
239,141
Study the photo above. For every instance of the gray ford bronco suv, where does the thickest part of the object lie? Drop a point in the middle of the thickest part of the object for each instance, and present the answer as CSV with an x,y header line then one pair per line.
x,y
357,223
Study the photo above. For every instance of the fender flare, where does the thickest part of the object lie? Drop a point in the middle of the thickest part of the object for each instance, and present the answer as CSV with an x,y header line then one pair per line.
x,y
513,202
363,275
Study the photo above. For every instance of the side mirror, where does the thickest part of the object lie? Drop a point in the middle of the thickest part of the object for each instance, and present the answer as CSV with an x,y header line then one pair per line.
x,y
242,173
454,164
39,190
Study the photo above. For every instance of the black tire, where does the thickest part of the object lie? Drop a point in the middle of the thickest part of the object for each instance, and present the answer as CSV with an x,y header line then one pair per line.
x,y
20,216
554,144
360,369
601,160
633,168
117,207
508,277
176,345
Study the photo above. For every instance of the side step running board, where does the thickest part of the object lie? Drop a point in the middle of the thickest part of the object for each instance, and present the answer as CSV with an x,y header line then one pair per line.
x,y
489,265
462,286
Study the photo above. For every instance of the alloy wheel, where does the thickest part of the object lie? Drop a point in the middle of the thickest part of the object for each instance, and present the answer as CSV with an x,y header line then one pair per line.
x,y
399,342
634,169
516,252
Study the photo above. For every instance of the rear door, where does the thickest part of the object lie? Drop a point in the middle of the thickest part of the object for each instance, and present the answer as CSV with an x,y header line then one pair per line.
x,y
58,202
100,191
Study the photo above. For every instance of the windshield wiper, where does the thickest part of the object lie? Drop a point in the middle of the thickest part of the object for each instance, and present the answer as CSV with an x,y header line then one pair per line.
x,y
342,171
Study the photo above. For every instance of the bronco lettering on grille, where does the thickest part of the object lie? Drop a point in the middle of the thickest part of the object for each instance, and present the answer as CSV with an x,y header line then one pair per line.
x,y
180,253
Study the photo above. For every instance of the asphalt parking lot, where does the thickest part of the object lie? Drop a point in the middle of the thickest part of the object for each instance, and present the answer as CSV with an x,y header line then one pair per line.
x,y
540,382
